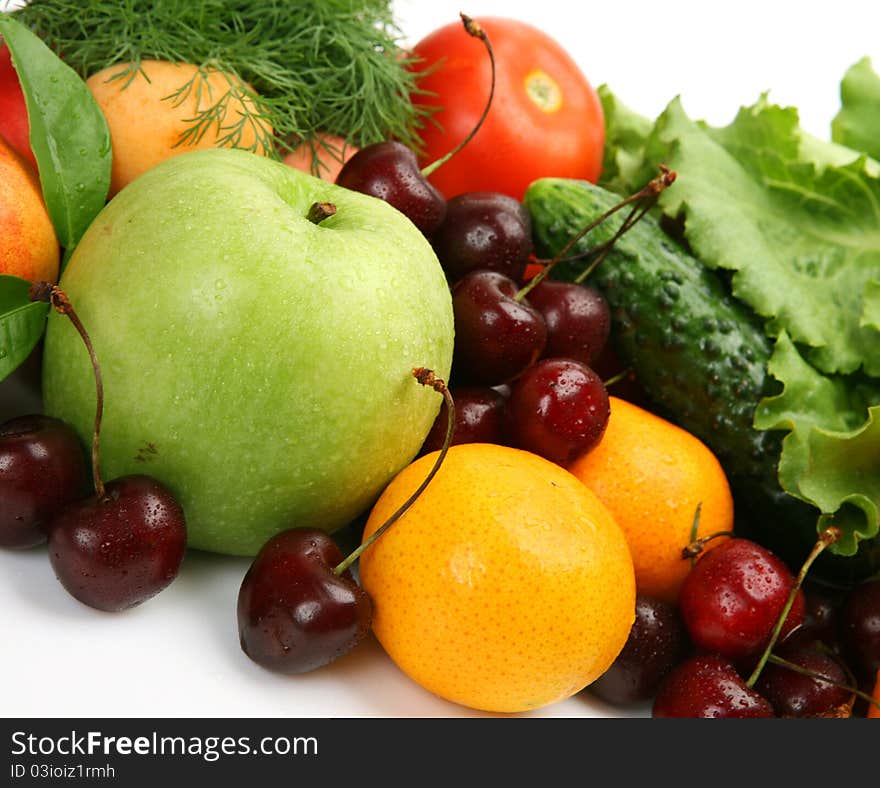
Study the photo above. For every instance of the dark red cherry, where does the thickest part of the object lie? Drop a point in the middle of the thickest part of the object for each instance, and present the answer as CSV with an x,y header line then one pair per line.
x,y
479,418
578,319
484,230
794,694
708,687
390,171
496,335
656,644
558,408
119,549
294,613
42,468
860,628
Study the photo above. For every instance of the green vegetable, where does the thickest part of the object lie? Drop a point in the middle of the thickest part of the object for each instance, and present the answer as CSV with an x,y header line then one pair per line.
x,y
794,224
331,66
22,322
705,360
857,125
698,351
69,135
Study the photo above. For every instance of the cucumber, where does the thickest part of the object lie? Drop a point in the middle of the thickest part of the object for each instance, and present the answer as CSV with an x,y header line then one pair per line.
x,y
699,354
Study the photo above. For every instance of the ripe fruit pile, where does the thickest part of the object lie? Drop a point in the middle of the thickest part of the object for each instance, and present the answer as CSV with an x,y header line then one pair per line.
x,y
716,652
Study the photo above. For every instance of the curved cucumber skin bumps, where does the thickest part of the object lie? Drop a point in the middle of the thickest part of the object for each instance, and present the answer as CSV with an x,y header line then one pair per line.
x,y
700,355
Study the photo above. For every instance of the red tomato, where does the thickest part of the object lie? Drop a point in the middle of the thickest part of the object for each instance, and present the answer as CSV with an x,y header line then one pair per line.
x,y
546,118
14,127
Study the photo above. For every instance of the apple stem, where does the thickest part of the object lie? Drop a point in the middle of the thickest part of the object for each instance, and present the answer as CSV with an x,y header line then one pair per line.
x,y
642,201
427,378
828,537
320,211
474,29
54,295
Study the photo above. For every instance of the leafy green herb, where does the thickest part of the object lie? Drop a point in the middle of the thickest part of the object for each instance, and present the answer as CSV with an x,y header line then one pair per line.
x,y
332,66
857,125
796,222
22,322
69,135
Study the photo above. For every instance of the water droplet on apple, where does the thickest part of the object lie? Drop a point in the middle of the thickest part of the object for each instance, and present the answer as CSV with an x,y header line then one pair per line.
x,y
220,284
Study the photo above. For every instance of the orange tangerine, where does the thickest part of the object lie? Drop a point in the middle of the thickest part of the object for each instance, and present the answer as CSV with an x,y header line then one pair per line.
x,y
651,475
873,709
506,587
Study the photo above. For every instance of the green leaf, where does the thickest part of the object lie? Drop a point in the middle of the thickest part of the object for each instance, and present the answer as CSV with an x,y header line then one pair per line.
x,y
831,455
857,125
22,322
803,241
69,135
796,222
626,133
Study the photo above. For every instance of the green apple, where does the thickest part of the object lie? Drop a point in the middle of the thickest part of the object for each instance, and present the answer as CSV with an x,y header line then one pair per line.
x,y
256,362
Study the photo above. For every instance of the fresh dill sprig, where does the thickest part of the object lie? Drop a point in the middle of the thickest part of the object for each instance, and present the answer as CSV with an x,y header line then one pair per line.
x,y
319,66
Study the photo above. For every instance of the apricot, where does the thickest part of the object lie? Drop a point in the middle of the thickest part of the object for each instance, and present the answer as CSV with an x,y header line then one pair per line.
x,y
324,159
148,118
28,244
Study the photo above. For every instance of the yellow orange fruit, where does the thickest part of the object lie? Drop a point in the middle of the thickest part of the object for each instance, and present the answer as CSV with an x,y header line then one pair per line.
x,y
147,119
874,708
506,587
651,475
28,244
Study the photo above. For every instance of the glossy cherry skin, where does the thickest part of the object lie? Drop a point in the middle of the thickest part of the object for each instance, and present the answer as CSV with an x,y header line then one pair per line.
x,y
390,171
860,628
117,551
578,319
484,230
479,418
733,596
294,613
496,336
42,468
656,644
794,694
708,687
558,409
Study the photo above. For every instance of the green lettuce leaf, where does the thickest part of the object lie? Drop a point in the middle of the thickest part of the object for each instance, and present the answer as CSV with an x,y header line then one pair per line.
x,y
857,125
803,241
831,455
795,221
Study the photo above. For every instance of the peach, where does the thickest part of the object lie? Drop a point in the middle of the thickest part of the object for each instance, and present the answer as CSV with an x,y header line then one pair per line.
x,y
330,153
28,245
147,121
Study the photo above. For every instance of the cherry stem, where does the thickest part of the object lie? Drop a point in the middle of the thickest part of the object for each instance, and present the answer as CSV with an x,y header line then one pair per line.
x,y
622,375
819,677
427,378
320,211
828,537
642,201
54,295
696,546
474,29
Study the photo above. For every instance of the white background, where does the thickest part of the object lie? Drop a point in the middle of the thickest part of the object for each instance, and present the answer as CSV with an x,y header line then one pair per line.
x,y
178,655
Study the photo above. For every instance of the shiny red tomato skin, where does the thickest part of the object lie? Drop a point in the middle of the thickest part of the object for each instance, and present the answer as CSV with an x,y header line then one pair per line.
x,y
14,126
520,140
